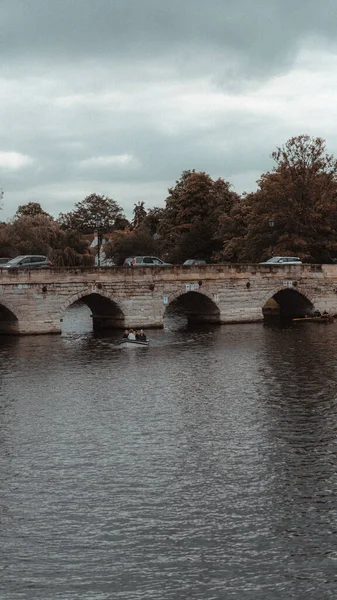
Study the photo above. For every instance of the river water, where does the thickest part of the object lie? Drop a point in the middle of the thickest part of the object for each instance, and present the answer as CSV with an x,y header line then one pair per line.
x,y
203,467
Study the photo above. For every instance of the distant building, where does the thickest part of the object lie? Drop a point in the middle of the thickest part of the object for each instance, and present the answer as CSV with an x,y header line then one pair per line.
x,y
104,261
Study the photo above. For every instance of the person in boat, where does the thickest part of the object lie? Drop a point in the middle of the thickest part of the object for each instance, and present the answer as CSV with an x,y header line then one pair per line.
x,y
131,335
142,336
316,313
126,334
137,335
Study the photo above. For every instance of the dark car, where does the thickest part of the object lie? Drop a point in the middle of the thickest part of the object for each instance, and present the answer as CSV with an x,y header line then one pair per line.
x,y
29,261
194,261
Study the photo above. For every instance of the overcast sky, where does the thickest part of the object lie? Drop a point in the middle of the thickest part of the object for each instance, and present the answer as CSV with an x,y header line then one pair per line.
x,y
118,97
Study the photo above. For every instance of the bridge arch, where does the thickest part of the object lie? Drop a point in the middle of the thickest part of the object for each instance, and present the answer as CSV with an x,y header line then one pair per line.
x,y
106,313
287,302
192,307
9,321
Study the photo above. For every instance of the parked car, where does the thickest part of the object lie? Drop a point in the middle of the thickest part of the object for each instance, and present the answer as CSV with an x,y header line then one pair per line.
x,y
29,261
144,261
128,261
194,261
282,260
3,261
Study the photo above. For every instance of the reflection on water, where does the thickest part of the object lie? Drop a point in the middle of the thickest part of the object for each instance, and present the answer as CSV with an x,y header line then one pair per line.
x,y
203,467
77,319
175,321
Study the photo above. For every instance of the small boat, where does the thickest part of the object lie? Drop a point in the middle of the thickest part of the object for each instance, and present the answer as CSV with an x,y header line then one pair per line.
x,y
322,319
125,343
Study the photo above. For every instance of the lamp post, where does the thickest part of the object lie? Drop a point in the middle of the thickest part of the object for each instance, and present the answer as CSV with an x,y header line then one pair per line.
x,y
271,224
98,224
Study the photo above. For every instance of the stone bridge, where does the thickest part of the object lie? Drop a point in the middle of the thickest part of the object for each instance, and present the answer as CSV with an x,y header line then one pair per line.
x,y
34,302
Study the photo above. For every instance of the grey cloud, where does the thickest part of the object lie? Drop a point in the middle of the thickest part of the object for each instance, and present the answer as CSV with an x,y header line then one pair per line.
x,y
262,35
83,80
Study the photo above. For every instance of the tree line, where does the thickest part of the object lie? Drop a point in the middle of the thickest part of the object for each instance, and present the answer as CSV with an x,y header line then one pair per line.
x,y
292,212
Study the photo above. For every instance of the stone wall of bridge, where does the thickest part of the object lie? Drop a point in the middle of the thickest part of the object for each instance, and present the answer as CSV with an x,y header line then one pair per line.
x,y
35,301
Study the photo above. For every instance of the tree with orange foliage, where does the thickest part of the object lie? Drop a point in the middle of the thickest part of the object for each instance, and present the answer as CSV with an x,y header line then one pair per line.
x,y
294,210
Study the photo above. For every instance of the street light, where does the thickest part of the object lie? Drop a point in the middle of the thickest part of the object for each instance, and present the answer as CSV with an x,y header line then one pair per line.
x,y
98,224
271,224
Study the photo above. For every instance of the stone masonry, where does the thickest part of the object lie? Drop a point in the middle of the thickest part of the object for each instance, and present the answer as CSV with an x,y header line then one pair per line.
x,y
34,302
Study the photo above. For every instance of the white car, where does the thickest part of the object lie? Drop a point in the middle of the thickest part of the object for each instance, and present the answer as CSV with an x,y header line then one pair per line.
x,y
282,260
194,261
144,261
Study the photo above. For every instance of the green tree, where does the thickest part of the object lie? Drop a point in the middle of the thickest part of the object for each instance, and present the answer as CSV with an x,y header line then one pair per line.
x,y
34,234
30,210
7,246
139,215
130,243
71,249
189,223
153,219
232,231
40,234
92,209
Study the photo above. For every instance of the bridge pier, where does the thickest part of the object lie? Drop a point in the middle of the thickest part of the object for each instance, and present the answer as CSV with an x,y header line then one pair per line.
x,y
241,315
46,327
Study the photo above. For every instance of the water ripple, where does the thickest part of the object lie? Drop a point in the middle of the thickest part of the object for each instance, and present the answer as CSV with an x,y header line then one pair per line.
x,y
203,467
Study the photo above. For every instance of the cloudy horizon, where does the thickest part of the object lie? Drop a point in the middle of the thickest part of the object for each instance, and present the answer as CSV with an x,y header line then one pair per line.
x,y
118,97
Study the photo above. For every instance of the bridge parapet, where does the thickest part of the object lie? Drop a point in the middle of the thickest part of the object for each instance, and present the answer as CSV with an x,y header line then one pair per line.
x,y
174,272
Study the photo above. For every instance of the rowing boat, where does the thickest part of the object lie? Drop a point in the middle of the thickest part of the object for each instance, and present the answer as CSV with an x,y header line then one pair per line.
x,y
327,319
125,343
